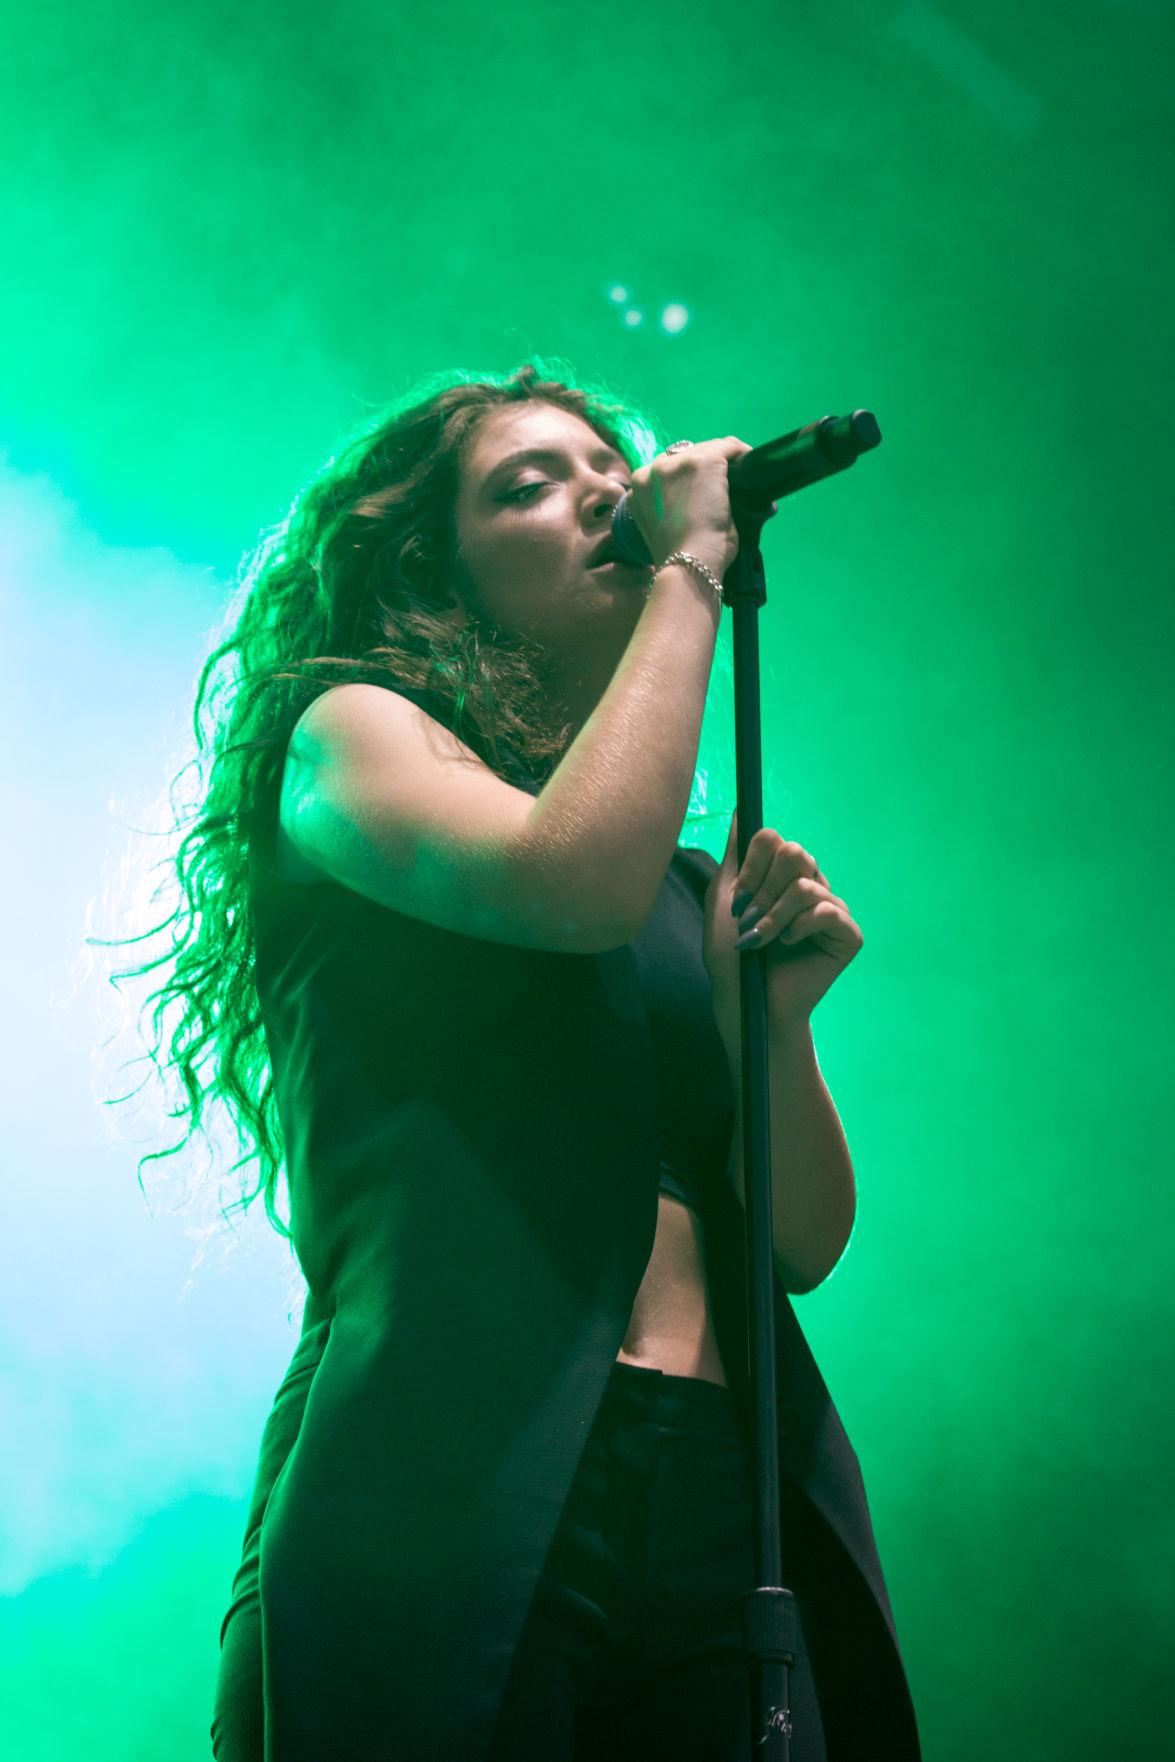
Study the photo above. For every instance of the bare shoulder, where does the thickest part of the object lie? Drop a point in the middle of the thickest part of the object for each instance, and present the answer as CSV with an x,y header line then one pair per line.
x,y
330,722
355,710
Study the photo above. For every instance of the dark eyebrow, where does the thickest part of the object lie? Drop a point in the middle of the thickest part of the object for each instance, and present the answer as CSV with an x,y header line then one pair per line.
x,y
549,456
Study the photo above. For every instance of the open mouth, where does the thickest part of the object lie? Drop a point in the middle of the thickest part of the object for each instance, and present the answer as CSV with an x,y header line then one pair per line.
x,y
613,565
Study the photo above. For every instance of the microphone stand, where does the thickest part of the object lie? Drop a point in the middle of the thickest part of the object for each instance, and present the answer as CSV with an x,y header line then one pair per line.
x,y
770,1619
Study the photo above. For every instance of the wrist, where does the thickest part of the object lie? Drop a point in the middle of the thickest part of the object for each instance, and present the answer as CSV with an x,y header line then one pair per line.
x,y
786,1024
789,1027
702,566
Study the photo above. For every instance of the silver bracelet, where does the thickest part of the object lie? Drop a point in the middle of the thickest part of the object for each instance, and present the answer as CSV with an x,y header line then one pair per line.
x,y
695,563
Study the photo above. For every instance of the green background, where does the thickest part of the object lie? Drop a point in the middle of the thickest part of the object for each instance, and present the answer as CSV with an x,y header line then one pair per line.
x,y
231,230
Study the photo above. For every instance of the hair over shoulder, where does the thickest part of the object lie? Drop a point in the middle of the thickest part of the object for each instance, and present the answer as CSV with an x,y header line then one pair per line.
x,y
348,585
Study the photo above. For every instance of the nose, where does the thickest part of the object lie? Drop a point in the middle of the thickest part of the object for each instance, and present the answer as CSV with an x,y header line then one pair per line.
x,y
614,496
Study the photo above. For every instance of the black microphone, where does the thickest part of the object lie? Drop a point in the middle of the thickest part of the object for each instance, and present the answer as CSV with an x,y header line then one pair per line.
x,y
777,468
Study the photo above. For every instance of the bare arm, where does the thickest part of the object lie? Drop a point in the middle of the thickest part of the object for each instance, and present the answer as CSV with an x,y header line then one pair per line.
x,y
609,818
379,796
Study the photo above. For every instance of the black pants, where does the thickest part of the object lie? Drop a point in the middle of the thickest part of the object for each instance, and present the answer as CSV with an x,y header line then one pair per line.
x,y
632,1646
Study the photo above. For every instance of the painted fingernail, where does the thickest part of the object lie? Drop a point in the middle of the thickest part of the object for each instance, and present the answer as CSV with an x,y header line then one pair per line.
x,y
751,916
749,939
739,904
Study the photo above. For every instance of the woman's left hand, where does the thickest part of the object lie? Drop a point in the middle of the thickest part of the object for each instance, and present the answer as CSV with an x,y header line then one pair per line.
x,y
806,931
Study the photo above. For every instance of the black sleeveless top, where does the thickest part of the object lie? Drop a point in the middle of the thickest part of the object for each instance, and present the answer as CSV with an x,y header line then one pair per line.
x,y
693,1098
471,1152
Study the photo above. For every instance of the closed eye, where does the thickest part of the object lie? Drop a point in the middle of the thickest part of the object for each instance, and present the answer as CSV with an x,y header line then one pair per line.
x,y
523,489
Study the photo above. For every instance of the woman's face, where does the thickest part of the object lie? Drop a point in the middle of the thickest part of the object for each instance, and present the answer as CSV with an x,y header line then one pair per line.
x,y
527,528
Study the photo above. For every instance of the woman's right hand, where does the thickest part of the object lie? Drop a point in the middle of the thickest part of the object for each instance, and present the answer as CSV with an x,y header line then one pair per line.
x,y
681,502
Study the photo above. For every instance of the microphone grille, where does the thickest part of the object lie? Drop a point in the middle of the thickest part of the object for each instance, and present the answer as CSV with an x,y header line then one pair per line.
x,y
627,535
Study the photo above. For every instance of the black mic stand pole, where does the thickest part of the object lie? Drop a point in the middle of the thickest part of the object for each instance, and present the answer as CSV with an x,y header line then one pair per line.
x,y
770,1623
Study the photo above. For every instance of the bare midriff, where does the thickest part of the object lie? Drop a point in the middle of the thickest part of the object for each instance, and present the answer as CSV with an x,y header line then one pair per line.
x,y
671,1327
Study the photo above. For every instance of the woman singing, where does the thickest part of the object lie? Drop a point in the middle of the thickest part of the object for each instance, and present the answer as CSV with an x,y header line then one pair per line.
x,y
502,1510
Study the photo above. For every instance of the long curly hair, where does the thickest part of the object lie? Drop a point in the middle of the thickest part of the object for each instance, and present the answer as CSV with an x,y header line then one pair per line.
x,y
349,585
